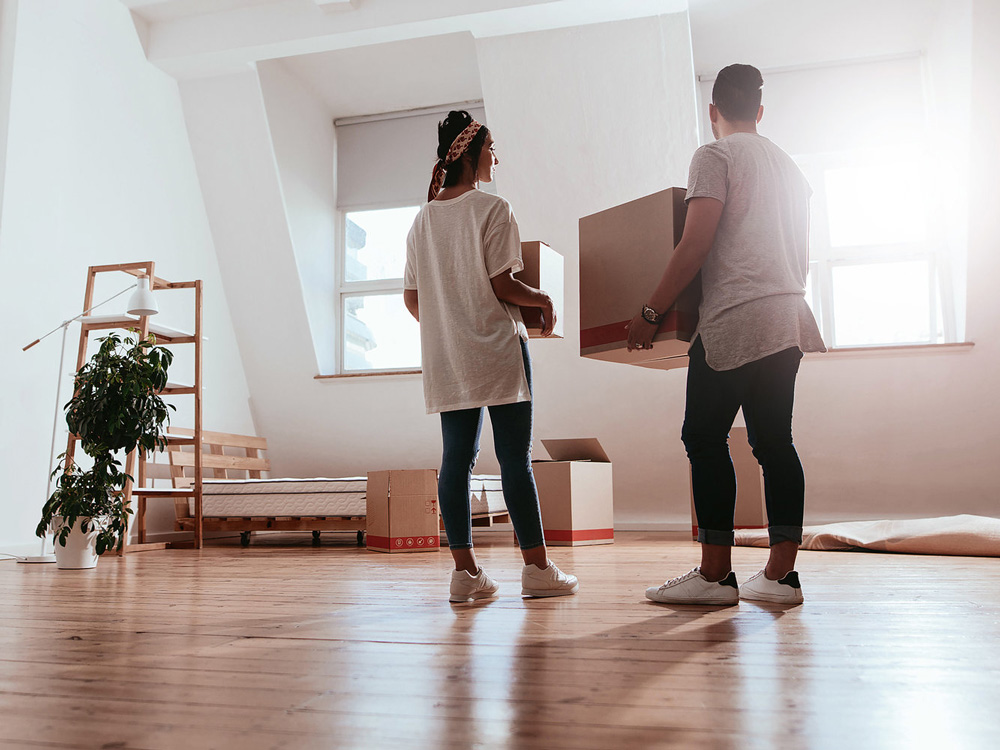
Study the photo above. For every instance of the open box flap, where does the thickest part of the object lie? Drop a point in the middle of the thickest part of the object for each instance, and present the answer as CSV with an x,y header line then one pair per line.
x,y
576,449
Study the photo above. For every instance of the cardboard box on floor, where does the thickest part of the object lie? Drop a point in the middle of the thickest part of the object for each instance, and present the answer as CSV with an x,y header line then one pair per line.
x,y
543,269
623,253
402,511
575,493
751,512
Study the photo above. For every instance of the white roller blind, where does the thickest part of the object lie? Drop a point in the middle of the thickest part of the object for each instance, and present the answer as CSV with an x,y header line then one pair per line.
x,y
388,162
845,107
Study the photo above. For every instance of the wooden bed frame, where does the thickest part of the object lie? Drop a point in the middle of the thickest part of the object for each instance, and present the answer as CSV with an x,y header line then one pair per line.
x,y
229,456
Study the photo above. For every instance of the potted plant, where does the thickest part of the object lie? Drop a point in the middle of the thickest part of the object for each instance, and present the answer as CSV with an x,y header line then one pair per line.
x,y
116,408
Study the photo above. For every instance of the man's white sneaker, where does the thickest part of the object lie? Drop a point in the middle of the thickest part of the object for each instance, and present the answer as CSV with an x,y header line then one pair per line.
x,y
465,586
760,588
694,588
548,582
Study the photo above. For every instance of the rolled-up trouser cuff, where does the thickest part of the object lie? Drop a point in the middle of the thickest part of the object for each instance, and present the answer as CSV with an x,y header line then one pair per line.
x,y
710,536
460,545
778,534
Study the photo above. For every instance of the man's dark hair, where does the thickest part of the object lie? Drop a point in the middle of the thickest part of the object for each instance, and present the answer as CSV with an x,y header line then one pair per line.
x,y
448,131
736,93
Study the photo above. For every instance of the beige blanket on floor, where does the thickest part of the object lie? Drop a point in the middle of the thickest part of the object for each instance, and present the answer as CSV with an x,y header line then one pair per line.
x,y
974,536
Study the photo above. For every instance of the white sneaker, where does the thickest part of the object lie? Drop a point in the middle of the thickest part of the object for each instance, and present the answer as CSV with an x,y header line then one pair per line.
x,y
694,588
760,588
548,582
465,586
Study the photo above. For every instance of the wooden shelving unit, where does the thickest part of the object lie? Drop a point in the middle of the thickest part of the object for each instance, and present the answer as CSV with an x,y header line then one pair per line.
x,y
135,463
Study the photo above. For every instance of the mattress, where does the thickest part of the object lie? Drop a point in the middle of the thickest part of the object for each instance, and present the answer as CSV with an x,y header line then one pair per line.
x,y
318,496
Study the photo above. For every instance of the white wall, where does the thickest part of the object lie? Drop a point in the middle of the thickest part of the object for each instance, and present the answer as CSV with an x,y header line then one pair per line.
x,y
305,148
98,170
586,118
949,76
611,119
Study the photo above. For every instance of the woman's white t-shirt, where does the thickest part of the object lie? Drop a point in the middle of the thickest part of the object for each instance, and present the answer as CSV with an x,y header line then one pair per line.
x,y
470,340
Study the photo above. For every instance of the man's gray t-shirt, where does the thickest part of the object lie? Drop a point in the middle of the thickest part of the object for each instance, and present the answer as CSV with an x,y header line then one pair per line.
x,y
754,278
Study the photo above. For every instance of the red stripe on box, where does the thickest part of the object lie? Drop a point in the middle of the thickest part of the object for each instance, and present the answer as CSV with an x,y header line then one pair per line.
x,y
431,541
615,332
584,535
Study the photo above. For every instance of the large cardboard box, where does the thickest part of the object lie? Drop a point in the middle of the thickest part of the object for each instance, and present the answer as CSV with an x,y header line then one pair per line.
x,y
751,511
403,511
575,493
623,253
543,269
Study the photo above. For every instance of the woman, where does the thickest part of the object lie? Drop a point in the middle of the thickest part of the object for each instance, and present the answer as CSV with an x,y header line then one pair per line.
x,y
461,254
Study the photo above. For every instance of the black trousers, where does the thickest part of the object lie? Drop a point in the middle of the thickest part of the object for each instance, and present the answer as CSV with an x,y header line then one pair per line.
x,y
765,390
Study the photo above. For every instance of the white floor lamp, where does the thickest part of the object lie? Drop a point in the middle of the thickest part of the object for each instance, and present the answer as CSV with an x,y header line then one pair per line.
x,y
142,302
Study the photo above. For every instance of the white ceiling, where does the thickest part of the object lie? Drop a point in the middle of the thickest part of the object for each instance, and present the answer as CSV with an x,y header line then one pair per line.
x,y
394,76
374,56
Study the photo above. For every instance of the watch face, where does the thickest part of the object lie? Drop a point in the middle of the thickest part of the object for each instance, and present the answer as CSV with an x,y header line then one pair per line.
x,y
650,315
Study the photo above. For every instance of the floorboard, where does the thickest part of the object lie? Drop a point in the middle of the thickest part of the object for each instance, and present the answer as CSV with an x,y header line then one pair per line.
x,y
286,645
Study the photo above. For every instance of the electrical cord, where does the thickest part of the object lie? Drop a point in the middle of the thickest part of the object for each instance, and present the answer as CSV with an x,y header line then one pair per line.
x,y
12,557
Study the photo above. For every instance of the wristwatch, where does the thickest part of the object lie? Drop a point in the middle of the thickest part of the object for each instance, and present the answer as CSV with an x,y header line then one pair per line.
x,y
650,315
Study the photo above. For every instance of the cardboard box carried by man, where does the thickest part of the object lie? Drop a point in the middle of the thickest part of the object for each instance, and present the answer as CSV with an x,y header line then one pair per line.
x,y
623,252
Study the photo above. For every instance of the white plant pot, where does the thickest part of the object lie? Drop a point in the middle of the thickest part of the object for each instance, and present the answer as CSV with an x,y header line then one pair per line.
x,y
80,551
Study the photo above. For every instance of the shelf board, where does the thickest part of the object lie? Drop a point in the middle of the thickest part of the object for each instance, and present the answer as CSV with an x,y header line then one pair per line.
x,y
178,389
179,439
164,334
162,492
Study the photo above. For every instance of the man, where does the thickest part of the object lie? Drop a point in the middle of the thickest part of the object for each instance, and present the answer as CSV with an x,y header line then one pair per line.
x,y
747,232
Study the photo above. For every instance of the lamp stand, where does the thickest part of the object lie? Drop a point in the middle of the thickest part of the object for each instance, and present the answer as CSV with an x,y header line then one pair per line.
x,y
42,556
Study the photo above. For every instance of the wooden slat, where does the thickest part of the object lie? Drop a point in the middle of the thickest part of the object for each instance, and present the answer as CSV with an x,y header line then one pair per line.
x,y
227,439
210,461
217,450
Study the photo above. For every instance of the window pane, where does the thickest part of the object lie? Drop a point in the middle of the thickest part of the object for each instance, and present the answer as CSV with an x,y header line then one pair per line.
x,y
882,303
876,204
811,299
376,243
379,334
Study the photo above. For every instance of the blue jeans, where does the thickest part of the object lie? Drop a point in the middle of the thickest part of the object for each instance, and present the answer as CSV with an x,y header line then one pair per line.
x,y
512,439
765,389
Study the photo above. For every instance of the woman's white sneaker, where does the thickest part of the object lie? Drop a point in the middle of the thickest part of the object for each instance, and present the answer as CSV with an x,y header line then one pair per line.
x,y
465,586
548,582
694,588
760,588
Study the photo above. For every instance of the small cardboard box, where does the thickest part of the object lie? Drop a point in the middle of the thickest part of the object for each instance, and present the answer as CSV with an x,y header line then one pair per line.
x,y
751,511
543,269
402,511
623,253
575,493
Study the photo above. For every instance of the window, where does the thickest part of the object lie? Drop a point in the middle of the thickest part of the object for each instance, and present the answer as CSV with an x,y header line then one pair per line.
x,y
383,169
377,332
874,260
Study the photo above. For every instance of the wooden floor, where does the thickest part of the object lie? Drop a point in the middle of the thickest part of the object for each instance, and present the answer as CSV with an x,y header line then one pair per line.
x,y
336,647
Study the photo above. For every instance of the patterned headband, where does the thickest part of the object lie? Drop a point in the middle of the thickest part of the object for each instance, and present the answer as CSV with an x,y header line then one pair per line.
x,y
458,147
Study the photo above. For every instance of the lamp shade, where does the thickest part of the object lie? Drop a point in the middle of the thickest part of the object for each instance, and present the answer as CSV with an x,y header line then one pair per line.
x,y
142,301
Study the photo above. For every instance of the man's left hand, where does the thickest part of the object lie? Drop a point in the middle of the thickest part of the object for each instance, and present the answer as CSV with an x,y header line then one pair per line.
x,y
640,333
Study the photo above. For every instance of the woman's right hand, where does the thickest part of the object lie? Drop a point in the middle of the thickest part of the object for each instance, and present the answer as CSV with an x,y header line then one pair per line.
x,y
548,316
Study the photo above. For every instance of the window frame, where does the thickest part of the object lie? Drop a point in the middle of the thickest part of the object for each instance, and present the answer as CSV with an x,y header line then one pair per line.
x,y
367,288
824,258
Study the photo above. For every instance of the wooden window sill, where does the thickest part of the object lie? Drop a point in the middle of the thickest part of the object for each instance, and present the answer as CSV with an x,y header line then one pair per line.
x,y
378,374
958,347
